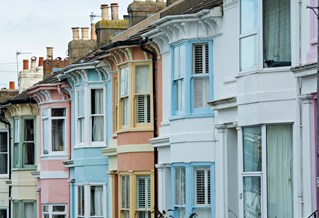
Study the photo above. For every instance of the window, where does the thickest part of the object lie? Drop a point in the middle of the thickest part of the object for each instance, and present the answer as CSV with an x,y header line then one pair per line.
x,y
4,153
134,100
143,196
3,213
23,147
97,118
125,196
23,209
53,211
275,34
90,111
192,78
273,153
53,130
90,202
180,191
192,189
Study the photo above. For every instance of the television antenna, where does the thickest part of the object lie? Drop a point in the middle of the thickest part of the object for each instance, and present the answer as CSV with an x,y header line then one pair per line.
x,y
17,59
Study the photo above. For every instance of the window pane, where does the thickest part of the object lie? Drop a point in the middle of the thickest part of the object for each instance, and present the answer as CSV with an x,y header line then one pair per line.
x,y
16,155
28,130
3,163
252,197
200,59
143,192
97,128
3,213
252,149
180,186
60,208
124,82
58,129
96,201
125,111
248,52
97,101
3,142
125,190
143,109
248,16
279,171
200,92
15,210
81,204
81,129
29,210
16,130
45,208
276,33
46,142
142,79
80,103
29,153
58,112
179,93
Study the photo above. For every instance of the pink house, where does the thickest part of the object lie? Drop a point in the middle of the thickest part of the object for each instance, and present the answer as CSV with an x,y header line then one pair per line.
x,y
54,126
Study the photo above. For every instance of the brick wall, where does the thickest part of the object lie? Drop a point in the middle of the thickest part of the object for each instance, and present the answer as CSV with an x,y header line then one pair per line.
x,y
49,64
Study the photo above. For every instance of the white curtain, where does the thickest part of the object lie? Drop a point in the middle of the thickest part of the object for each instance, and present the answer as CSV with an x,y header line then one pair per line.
x,y
279,171
28,210
276,23
96,201
97,120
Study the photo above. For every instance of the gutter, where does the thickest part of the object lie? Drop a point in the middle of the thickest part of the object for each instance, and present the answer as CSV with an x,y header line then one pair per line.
x,y
155,134
6,122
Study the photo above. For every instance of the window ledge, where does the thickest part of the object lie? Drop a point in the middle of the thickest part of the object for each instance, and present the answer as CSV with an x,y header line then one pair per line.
x,y
54,156
191,116
136,129
264,70
89,146
24,169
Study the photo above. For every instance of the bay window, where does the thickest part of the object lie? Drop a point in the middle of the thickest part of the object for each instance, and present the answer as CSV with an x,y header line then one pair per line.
x,y
53,131
90,201
192,78
54,211
4,153
274,38
24,144
270,148
97,118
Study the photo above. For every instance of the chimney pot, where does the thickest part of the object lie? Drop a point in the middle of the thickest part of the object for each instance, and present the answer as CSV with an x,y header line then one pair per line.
x,y
40,61
114,11
12,85
93,33
75,33
25,64
33,63
105,11
85,33
49,53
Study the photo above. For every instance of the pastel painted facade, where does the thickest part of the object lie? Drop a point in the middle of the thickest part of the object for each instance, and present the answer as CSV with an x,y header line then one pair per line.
x,y
131,170
186,154
91,116
23,117
55,130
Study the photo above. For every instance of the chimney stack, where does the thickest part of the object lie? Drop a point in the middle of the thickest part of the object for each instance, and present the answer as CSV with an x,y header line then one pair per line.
x,y
33,63
25,64
40,61
12,85
85,33
105,11
114,11
50,53
93,33
75,33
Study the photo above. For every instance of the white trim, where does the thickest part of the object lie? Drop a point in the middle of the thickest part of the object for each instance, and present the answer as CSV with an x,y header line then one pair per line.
x,y
53,175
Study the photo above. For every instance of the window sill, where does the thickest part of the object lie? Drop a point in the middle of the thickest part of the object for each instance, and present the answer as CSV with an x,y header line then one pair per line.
x,y
25,169
89,146
264,70
135,129
54,156
4,176
192,116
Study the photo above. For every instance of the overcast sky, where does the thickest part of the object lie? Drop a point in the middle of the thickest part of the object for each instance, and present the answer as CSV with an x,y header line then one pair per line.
x,y
33,25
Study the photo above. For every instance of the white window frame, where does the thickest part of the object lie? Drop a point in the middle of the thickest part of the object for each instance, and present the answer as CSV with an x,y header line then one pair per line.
x,y
87,200
48,117
207,195
80,132
124,96
101,142
7,153
51,212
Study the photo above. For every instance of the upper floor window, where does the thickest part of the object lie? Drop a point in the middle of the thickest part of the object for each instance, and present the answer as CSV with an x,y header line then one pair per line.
x,y
4,153
90,111
143,195
24,144
134,96
192,78
53,130
275,41
3,213
25,209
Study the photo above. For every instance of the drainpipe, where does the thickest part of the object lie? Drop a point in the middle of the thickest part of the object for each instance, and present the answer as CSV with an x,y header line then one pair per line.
x,y
6,122
155,134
